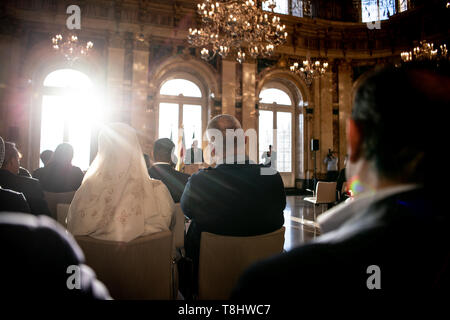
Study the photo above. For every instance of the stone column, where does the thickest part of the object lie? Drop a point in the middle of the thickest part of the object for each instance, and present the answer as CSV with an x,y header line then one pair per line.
x,y
229,87
326,119
139,94
115,73
345,105
249,118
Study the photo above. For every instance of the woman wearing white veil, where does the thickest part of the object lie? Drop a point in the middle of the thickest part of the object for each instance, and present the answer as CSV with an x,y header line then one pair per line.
x,y
117,200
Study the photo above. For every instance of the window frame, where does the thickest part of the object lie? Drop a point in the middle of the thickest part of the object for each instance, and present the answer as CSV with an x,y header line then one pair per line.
x,y
182,100
275,108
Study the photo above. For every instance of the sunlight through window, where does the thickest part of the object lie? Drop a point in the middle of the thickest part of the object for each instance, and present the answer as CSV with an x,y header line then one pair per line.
x,y
70,107
275,96
180,106
168,121
176,87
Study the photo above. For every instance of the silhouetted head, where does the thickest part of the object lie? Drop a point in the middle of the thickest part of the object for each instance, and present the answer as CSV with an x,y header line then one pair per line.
x,y
217,129
45,156
11,161
162,150
63,154
385,133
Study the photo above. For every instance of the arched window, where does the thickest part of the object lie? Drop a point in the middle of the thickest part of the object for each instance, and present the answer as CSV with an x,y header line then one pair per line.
x,y
292,7
69,108
181,105
276,112
403,5
376,10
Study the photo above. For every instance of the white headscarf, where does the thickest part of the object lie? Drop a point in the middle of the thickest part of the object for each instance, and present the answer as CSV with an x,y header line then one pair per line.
x,y
117,200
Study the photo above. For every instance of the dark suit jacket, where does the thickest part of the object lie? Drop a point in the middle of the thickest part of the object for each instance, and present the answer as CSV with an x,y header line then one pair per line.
x,y
30,188
234,200
55,178
36,255
404,235
13,201
174,180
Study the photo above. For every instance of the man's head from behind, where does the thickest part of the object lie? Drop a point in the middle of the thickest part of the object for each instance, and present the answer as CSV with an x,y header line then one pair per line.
x,y
385,136
11,161
217,130
162,150
63,154
45,156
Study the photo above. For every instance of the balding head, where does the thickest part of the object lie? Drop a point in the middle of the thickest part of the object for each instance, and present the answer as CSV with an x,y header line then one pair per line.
x,y
219,127
223,122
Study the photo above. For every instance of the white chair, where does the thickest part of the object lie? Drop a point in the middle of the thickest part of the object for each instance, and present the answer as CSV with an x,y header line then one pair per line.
x,y
177,227
62,209
140,269
53,198
224,258
325,194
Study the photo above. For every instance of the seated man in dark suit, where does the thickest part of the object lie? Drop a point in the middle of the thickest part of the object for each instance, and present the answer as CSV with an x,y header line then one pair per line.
x,y
41,261
9,179
233,198
378,250
10,200
13,201
163,170
45,156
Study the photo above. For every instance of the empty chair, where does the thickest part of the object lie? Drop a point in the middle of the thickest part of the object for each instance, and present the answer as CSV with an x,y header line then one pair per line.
x,y
61,213
53,198
325,193
139,269
223,259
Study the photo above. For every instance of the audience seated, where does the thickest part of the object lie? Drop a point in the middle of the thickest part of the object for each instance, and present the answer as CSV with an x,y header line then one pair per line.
x,y
40,261
59,175
10,200
45,156
231,199
24,172
9,179
117,200
163,169
13,201
399,243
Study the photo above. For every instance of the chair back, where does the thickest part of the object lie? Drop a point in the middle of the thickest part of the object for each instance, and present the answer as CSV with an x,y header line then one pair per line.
x,y
62,209
139,269
53,198
223,259
325,192
178,223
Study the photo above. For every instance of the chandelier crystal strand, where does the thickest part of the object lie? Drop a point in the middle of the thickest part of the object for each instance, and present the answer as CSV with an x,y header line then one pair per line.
x,y
310,69
237,26
70,47
425,51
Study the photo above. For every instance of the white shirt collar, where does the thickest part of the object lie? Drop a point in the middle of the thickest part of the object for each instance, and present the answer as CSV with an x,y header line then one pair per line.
x,y
338,215
155,163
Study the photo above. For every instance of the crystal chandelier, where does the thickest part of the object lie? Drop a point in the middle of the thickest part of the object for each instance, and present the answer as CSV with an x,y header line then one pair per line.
x,y
425,51
70,47
310,69
239,26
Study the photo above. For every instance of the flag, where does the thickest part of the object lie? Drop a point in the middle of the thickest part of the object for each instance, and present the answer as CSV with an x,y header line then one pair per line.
x,y
181,151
